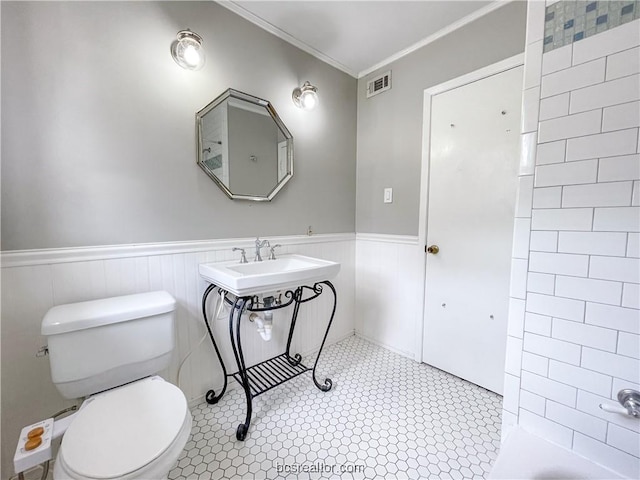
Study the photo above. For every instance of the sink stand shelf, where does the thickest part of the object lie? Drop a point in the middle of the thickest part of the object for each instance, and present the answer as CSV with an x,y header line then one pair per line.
x,y
262,377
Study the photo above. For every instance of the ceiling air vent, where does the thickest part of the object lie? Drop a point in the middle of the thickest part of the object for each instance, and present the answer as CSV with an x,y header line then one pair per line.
x,y
379,84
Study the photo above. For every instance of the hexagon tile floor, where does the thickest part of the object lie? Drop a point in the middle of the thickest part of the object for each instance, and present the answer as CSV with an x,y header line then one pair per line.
x,y
385,417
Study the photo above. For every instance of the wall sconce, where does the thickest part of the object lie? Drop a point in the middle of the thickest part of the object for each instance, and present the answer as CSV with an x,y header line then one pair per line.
x,y
187,50
305,97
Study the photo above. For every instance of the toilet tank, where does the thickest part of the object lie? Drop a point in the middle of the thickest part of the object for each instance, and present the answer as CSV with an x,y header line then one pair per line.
x,y
101,344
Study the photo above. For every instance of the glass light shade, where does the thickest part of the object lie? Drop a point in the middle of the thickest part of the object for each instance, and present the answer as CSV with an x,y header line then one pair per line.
x,y
187,50
305,97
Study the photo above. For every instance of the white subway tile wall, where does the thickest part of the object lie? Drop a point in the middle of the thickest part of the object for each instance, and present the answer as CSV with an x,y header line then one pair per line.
x,y
581,338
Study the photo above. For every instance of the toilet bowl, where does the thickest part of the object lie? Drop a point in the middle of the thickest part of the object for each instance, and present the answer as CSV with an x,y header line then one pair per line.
x,y
132,424
134,431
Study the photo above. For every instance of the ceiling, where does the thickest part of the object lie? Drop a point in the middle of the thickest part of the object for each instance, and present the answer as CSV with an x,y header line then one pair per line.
x,y
359,36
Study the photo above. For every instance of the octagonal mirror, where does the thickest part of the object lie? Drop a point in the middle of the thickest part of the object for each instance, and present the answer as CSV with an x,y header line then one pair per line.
x,y
244,146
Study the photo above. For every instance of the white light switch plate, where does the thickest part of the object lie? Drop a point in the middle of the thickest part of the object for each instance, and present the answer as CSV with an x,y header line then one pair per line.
x,y
388,195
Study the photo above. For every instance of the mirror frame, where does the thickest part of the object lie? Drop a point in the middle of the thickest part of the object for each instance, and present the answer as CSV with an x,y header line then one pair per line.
x,y
231,93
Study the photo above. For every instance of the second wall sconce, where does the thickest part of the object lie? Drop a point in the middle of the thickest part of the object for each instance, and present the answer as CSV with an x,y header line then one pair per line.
x,y
187,50
306,96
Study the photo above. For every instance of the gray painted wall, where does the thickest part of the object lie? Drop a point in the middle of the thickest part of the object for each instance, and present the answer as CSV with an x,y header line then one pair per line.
x,y
98,122
390,124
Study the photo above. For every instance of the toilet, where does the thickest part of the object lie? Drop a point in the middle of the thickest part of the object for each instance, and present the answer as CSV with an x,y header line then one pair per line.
x,y
132,423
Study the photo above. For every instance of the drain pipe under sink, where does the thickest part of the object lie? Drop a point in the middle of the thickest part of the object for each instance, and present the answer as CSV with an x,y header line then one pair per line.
x,y
265,325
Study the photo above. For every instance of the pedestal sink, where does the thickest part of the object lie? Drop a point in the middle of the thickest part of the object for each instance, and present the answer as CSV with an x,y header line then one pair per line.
x,y
287,271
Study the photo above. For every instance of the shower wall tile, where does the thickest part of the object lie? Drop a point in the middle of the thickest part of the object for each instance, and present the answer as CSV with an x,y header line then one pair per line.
x,y
530,107
613,317
573,78
566,173
552,152
617,219
614,194
558,59
631,295
613,92
604,454
576,420
524,196
614,169
532,402
542,241
528,152
533,69
633,245
623,64
622,116
554,107
612,144
547,429
569,126
548,197
582,320
624,439
538,324
521,234
550,389
628,345
541,283
535,364
593,243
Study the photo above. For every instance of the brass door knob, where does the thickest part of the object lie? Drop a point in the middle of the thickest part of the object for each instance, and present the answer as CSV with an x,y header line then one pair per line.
x,y
434,249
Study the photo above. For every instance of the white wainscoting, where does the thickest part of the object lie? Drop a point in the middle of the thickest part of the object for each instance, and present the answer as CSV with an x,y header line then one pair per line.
x,y
34,281
389,292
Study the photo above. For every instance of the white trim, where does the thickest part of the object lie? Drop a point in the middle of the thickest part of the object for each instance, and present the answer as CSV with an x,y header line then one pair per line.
x,y
247,15
385,238
494,69
21,258
472,17
251,17
404,353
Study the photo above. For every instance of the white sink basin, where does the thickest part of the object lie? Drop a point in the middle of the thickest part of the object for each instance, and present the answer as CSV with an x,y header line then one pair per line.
x,y
287,271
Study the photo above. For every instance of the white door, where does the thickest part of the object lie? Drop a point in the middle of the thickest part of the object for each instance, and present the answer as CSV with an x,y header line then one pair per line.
x,y
474,156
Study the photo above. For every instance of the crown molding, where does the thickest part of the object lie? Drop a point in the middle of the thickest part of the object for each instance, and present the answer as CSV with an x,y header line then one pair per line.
x,y
472,17
247,15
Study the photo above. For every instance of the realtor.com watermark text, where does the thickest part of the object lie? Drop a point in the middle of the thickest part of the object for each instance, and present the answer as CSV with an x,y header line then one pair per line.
x,y
319,467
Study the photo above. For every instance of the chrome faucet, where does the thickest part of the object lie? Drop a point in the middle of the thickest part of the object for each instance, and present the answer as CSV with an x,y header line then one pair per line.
x,y
243,257
259,245
272,254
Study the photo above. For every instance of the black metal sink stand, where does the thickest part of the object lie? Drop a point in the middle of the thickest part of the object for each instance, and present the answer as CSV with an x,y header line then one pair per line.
x,y
264,376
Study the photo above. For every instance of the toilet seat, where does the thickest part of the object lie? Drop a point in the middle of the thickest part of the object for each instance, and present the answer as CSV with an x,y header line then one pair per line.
x,y
134,431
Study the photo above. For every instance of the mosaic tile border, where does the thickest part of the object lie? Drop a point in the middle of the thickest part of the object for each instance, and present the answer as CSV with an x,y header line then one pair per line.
x,y
569,21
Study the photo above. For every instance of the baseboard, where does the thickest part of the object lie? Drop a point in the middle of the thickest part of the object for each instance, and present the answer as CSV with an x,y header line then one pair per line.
x,y
386,346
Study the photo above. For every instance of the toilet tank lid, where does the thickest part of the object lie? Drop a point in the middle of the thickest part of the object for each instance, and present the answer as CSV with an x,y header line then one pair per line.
x,y
105,311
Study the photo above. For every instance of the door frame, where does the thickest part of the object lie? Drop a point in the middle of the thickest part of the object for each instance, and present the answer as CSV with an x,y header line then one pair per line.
x,y
429,93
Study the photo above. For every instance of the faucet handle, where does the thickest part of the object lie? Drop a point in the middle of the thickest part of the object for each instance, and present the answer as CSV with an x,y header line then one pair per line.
x,y
272,255
243,256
